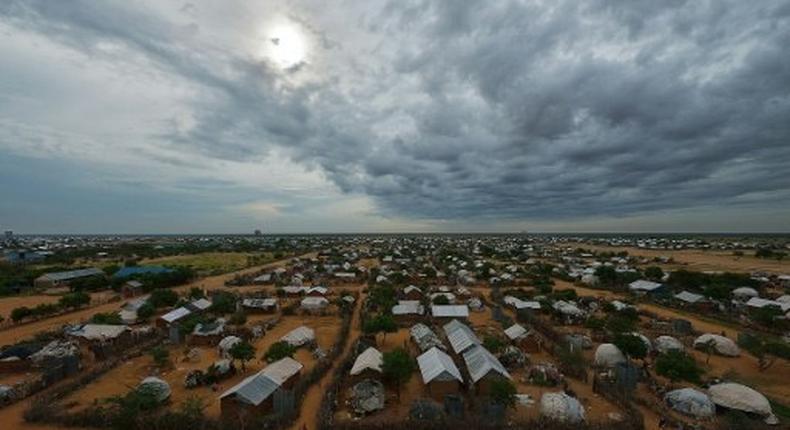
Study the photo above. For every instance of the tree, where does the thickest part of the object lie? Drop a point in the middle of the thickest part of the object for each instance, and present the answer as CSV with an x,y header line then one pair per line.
x,y
279,350
503,392
223,303
145,311
678,366
161,357
607,276
631,345
111,318
441,300
238,318
196,293
493,343
654,273
242,351
380,324
397,367
162,297
617,323
383,297
74,300
20,313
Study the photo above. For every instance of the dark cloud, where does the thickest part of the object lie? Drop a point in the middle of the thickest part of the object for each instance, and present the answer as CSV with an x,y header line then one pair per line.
x,y
491,110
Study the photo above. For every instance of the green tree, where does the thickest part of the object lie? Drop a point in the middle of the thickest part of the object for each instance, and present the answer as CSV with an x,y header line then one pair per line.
x,y
279,350
380,324
161,357
111,318
678,366
631,345
242,351
493,343
20,313
397,367
238,318
503,392
441,300
196,293
223,303
617,323
607,276
162,297
145,311
654,273
74,300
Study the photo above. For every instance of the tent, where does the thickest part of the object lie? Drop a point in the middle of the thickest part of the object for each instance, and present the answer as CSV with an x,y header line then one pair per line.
x,y
227,343
665,344
691,402
721,344
159,388
561,407
608,355
740,397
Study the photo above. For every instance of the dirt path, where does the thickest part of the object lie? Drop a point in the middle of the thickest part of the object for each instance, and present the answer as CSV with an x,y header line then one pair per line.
x,y
308,415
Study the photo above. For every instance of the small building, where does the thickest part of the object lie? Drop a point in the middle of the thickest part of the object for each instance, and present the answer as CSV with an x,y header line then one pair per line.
x,y
208,334
317,291
483,368
294,290
450,311
265,306
314,304
368,364
408,311
461,337
126,272
425,338
131,289
526,340
199,305
439,373
101,333
58,279
647,288
299,336
254,396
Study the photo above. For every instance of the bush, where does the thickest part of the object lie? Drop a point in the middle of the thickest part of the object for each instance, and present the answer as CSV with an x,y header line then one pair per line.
x,y
654,273
595,323
503,392
397,366
244,352
493,344
631,345
238,318
162,297
107,318
223,303
678,366
146,311
279,350
161,356
20,313
74,300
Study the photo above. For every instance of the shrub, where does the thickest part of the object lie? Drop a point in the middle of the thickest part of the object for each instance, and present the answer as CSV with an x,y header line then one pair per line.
x,y
161,356
238,318
20,313
279,350
397,367
107,318
503,392
244,352
493,343
631,345
677,366
162,297
74,300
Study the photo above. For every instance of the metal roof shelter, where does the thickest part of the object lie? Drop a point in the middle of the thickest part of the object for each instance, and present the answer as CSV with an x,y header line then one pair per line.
x,y
371,359
125,272
689,297
450,311
643,285
408,307
257,388
71,274
516,331
461,337
480,363
436,365
176,314
299,336
425,337
99,331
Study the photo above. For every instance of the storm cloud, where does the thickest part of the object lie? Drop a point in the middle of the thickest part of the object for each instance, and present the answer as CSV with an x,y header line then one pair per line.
x,y
432,110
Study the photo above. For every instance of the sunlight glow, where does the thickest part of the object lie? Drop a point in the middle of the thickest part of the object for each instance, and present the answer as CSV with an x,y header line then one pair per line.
x,y
286,46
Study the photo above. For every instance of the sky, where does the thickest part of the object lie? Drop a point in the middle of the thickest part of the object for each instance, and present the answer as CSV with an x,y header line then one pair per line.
x,y
394,116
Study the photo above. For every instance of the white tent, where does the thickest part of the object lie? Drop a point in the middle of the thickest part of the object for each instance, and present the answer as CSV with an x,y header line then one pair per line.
x,y
736,396
561,407
665,344
608,355
160,388
722,345
371,359
691,402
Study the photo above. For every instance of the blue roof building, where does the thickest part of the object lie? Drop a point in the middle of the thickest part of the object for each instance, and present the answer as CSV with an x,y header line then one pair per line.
x,y
126,272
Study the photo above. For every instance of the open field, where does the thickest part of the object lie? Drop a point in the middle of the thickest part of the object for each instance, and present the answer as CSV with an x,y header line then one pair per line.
x,y
702,260
213,262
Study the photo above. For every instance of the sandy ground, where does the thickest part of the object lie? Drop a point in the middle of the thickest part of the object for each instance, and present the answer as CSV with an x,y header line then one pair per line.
x,y
7,304
702,260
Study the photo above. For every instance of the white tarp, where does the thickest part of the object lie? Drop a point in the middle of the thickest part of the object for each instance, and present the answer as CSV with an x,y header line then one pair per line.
x,y
667,343
722,345
561,407
608,355
736,396
157,386
691,402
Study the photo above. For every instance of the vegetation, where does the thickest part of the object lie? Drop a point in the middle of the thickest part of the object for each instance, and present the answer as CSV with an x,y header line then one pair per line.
x,y
766,349
161,357
107,318
223,303
397,367
243,351
493,343
145,311
654,273
238,318
678,366
770,253
380,324
503,392
74,300
441,300
631,345
162,297
279,350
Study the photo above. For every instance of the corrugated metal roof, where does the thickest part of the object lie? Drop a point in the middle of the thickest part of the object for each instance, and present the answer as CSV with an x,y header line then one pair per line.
x,y
480,362
435,364
643,285
408,307
314,302
450,311
257,388
99,331
515,331
176,314
201,304
688,297
425,337
371,358
299,336
461,337
259,303
72,274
